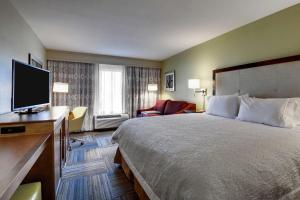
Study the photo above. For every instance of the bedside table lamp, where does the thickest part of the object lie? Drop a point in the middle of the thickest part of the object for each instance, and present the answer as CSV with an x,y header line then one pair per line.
x,y
60,87
195,85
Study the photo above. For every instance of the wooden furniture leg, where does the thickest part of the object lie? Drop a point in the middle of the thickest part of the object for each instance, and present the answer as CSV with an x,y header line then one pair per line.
x,y
137,186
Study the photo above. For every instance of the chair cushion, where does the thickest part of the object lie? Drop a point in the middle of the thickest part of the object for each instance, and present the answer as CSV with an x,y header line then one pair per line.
x,y
173,106
160,105
149,114
189,107
79,111
32,191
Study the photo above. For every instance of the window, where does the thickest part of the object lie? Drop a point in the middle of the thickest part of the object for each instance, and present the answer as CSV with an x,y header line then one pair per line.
x,y
109,89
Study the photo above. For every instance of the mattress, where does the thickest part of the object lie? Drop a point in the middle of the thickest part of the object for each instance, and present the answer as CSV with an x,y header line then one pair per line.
x,y
198,156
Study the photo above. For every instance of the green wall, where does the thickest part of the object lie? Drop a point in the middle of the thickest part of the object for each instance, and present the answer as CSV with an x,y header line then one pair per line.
x,y
275,36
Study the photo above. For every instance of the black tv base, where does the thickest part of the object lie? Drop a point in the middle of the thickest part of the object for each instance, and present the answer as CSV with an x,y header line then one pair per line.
x,y
29,111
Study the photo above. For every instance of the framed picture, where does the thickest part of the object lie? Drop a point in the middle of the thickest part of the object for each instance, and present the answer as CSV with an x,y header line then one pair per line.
x,y
170,81
34,61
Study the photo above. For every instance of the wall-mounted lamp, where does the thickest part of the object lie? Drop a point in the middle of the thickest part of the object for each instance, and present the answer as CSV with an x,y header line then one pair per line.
x,y
152,87
60,87
195,85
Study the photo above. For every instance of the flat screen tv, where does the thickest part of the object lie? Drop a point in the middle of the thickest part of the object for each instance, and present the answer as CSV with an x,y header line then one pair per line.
x,y
30,87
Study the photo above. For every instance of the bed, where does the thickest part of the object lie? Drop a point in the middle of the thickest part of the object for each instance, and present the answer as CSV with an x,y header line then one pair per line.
x,y
199,156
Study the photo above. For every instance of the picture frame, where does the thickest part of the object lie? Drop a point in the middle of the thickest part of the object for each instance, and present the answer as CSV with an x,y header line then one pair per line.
x,y
170,81
35,62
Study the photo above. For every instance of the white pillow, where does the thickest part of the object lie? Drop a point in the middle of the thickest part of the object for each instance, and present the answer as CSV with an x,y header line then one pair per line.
x,y
294,110
281,112
242,96
224,106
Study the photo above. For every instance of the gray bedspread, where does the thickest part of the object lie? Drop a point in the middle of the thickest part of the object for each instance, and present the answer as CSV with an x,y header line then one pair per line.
x,y
197,156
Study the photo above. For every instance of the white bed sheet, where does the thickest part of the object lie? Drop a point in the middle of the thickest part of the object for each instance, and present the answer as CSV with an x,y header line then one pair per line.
x,y
197,156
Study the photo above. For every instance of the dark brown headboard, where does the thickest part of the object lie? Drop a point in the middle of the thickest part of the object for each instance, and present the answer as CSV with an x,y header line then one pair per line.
x,y
253,65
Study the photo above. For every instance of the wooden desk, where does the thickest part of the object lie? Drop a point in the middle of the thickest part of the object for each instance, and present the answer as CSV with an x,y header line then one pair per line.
x,y
38,154
18,155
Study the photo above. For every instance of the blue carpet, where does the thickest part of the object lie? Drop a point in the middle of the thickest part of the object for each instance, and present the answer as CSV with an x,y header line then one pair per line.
x,y
90,173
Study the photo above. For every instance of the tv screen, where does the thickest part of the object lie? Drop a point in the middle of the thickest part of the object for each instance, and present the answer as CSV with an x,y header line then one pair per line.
x,y
30,86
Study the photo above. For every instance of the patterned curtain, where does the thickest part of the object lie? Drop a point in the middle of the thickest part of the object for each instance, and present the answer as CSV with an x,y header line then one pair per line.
x,y
136,88
80,77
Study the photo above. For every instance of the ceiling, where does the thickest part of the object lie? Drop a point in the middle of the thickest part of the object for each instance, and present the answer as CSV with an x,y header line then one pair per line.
x,y
149,29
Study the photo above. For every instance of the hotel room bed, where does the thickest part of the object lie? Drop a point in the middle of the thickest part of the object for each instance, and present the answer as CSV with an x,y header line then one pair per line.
x,y
198,156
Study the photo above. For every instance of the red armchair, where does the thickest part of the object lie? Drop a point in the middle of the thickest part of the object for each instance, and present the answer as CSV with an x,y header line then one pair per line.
x,y
166,107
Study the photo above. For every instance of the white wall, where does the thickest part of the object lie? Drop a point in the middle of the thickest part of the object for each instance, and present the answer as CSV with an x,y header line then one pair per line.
x,y
16,40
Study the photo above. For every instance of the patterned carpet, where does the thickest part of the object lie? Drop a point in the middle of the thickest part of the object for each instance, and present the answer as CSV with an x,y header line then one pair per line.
x,y
90,173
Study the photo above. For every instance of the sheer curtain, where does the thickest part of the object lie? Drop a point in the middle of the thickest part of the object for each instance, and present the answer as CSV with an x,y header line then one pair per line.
x,y
109,92
137,94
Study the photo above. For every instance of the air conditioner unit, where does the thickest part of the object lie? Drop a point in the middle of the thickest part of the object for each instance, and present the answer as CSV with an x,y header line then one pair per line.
x,y
109,121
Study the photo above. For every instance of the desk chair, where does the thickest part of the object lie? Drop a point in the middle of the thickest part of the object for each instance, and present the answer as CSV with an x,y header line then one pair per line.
x,y
76,119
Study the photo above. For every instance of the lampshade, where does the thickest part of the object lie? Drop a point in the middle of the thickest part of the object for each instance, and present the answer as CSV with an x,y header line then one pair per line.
x,y
152,87
60,87
194,83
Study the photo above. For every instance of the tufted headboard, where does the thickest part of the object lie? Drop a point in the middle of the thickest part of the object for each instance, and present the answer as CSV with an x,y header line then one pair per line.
x,y
271,78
